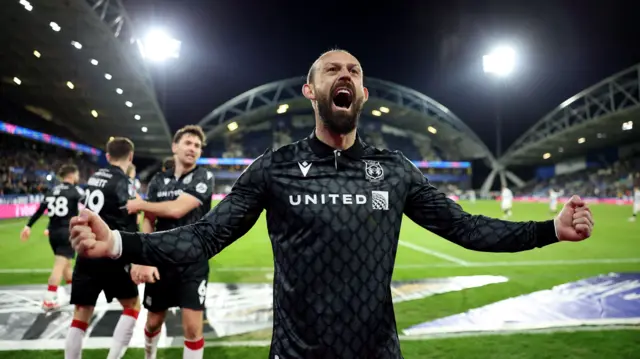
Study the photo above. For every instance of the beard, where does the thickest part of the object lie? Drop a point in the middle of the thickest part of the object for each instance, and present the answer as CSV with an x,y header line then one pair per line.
x,y
339,122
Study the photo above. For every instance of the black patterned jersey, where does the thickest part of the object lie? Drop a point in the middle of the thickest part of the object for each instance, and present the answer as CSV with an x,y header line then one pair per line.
x,y
107,193
164,186
334,219
61,204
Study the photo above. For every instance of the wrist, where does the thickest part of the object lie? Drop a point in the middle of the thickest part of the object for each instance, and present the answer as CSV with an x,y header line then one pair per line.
x,y
116,245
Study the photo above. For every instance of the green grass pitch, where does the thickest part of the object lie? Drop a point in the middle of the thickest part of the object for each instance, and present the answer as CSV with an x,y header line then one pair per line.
x,y
614,247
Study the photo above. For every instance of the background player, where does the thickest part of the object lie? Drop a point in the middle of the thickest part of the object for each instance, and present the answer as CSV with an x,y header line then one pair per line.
x,y
168,163
636,201
507,201
61,203
553,201
107,193
176,197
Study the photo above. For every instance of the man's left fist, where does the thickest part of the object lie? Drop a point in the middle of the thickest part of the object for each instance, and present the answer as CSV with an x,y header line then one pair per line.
x,y
575,222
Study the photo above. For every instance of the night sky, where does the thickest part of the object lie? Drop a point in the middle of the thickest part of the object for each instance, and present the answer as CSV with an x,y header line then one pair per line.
x,y
434,47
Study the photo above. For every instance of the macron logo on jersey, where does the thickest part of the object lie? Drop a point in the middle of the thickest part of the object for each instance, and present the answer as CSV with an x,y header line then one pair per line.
x,y
304,167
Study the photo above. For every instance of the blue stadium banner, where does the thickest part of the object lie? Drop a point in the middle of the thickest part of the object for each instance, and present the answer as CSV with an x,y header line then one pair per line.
x,y
247,161
43,137
609,299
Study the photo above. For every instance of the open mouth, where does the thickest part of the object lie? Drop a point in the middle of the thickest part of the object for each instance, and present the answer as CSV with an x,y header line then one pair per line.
x,y
342,97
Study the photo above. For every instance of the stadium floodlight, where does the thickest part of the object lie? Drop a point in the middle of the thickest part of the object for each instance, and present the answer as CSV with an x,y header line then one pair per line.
x,y
36,53
49,177
54,26
560,149
17,81
232,126
500,62
376,113
144,129
70,85
546,156
432,129
627,126
158,46
94,113
137,117
384,109
76,44
111,138
94,62
581,140
128,104
119,91
282,108
108,76
27,5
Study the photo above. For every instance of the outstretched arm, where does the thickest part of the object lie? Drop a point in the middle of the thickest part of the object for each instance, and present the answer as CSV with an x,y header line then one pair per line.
x,y
36,216
228,221
432,210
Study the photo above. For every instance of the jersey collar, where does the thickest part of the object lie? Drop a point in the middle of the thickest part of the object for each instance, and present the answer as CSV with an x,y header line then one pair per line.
x,y
172,173
322,149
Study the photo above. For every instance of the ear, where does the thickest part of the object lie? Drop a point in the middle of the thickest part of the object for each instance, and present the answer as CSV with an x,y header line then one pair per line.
x,y
174,147
108,157
366,94
131,157
309,92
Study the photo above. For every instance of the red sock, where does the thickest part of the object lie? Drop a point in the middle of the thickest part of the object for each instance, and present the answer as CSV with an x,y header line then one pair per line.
x,y
52,288
73,344
69,282
193,349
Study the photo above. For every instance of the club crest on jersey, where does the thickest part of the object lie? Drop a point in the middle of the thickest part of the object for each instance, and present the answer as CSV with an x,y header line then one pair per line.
x,y
167,180
188,179
373,171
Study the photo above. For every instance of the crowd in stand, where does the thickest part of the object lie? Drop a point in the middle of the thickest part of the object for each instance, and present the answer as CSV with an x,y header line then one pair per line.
x,y
614,181
28,167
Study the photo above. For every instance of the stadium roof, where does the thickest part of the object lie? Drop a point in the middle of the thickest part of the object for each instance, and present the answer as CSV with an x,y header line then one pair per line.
x,y
600,116
88,43
407,109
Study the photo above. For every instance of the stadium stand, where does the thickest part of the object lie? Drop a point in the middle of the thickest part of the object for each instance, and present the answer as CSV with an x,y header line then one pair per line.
x,y
592,132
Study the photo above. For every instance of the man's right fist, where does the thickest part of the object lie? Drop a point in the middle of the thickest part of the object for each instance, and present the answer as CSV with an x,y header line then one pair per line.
x,y
90,236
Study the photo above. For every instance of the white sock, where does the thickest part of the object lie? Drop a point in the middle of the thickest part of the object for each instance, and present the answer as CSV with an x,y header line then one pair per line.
x,y
151,343
193,349
73,344
123,333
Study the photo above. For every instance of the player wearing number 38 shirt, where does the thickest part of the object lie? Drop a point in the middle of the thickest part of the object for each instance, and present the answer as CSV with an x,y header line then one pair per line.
x,y
107,193
61,204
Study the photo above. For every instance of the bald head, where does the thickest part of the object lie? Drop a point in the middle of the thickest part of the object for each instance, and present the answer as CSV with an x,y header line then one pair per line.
x,y
318,63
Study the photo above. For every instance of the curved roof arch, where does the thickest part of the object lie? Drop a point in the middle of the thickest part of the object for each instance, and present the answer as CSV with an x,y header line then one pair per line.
x,y
593,118
409,109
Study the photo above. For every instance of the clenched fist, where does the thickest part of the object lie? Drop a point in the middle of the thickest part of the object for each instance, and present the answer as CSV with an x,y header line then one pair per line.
x,y
90,236
575,222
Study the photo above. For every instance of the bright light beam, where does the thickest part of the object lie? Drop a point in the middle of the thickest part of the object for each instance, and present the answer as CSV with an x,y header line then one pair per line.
x,y
500,62
158,46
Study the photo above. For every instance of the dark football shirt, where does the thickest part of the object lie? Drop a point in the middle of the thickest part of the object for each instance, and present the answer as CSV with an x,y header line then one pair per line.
x,y
108,191
333,218
164,186
61,204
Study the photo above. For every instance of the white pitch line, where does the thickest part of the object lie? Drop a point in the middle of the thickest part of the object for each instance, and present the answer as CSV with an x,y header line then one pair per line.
x,y
421,249
560,262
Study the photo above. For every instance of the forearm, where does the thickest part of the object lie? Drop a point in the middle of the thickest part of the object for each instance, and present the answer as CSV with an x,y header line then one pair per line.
x,y
164,209
485,234
36,216
182,245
